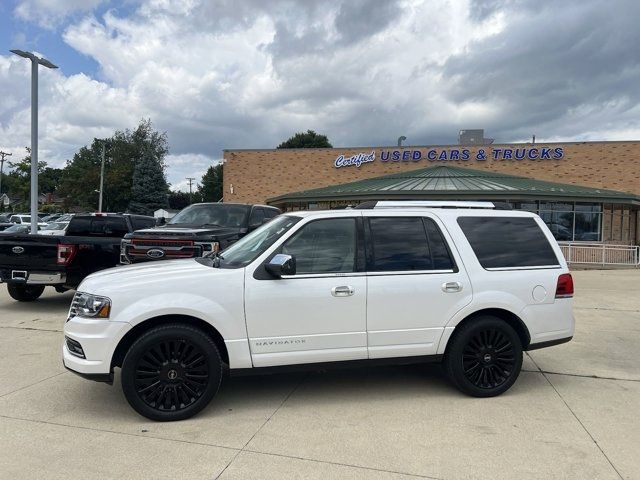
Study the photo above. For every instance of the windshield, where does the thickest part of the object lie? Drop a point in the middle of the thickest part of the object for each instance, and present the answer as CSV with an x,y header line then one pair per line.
x,y
16,229
55,226
246,250
220,214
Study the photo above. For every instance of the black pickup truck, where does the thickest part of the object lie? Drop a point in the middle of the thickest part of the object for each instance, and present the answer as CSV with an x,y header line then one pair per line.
x,y
28,263
195,231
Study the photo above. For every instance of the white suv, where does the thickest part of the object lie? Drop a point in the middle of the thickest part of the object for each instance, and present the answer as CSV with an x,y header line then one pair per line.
x,y
460,283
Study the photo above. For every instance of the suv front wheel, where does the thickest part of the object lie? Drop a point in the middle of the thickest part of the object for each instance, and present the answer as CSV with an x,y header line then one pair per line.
x,y
171,372
484,357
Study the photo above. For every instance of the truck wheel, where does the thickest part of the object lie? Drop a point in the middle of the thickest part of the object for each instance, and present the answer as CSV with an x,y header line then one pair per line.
x,y
171,372
484,357
25,293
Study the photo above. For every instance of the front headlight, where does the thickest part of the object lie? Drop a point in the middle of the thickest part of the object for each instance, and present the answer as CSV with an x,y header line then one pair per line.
x,y
92,306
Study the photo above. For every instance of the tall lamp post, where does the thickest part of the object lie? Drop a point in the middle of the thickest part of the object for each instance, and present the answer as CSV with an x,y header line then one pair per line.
x,y
35,61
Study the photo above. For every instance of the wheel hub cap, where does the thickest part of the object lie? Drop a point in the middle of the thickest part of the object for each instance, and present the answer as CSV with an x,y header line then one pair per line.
x,y
489,358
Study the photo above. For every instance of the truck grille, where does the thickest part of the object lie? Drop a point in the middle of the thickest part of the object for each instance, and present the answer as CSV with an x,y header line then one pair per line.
x,y
154,242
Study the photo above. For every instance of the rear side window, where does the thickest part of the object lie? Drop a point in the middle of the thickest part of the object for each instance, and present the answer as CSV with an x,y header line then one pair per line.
x,y
405,244
140,222
109,226
79,226
98,226
508,242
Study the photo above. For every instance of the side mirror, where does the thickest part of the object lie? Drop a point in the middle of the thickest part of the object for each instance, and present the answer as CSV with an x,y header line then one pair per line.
x,y
161,221
281,265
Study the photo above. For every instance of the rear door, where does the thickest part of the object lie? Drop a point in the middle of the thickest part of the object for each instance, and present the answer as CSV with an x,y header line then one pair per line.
x,y
415,284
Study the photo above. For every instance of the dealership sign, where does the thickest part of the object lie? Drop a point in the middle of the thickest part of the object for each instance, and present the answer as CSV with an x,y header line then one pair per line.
x,y
452,154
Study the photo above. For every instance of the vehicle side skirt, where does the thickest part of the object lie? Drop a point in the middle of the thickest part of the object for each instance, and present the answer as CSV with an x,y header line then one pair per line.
x,y
373,362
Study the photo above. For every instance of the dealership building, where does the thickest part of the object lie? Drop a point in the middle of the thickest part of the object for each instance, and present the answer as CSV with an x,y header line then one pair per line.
x,y
584,191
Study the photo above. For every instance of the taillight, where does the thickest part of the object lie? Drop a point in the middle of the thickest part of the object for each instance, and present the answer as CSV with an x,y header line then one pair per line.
x,y
66,254
564,289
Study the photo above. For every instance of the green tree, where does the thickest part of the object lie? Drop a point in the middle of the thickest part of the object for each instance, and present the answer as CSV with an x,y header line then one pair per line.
x,y
81,176
149,190
210,188
310,139
179,200
17,183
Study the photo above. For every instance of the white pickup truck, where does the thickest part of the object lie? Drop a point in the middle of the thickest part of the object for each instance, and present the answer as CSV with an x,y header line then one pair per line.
x,y
460,283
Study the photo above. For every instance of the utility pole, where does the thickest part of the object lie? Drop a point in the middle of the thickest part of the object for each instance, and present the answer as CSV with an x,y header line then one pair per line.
x,y
2,154
101,180
191,179
35,61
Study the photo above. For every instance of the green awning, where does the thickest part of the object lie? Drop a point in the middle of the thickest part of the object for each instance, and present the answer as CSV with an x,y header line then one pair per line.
x,y
456,183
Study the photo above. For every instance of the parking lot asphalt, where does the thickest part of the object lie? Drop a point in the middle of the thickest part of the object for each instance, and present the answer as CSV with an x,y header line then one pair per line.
x,y
573,413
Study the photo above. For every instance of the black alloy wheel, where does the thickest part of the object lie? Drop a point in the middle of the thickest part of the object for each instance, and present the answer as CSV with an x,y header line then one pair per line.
x,y
171,372
488,358
484,357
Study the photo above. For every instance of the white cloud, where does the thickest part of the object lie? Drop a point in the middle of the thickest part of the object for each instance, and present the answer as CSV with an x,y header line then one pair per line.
x,y
229,74
50,13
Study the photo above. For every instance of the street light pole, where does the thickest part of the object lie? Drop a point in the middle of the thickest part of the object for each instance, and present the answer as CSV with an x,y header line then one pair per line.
x,y
35,61
101,180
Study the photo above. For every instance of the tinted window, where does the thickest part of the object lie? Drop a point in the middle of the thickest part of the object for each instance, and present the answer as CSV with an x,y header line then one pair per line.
x,y
141,222
439,252
324,246
399,244
503,242
257,216
271,212
79,226
109,226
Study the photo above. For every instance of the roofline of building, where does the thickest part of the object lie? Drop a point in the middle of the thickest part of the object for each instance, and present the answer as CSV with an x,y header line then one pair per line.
x,y
476,195
447,145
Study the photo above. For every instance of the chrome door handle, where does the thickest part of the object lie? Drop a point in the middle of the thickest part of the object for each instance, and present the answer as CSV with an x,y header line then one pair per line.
x,y
343,291
451,287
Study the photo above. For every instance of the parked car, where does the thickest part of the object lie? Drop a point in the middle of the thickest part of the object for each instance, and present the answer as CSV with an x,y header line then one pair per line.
x,y
21,228
28,263
54,228
396,282
51,218
25,220
198,230
5,222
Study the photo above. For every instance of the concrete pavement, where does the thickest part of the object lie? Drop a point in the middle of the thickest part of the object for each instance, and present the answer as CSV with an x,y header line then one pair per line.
x,y
571,414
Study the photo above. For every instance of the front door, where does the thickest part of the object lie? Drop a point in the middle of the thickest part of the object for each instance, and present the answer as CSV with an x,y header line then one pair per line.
x,y
318,314
415,285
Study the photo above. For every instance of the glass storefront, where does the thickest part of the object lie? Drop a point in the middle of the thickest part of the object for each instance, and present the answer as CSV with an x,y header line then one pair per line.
x,y
568,221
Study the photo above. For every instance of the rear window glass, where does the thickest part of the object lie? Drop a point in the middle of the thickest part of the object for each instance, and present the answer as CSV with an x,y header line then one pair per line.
x,y
507,242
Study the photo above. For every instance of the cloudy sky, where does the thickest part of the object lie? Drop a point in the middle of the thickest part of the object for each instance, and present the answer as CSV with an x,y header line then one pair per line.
x,y
220,74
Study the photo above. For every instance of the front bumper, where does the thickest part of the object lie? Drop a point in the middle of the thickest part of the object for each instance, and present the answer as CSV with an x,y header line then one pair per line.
x,y
99,339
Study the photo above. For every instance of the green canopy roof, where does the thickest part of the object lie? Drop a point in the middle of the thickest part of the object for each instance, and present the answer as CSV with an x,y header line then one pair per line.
x,y
450,183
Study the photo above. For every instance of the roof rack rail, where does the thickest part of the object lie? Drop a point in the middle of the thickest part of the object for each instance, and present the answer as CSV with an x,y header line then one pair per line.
x,y
423,204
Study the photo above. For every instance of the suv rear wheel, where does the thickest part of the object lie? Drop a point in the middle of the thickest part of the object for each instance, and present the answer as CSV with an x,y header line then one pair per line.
x,y
171,372
484,357
25,293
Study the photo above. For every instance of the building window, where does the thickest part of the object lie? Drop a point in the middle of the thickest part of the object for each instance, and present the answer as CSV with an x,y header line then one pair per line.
x,y
570,221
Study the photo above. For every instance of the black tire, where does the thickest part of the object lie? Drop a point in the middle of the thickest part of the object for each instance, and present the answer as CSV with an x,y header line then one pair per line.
x,y
171,372
484,357
25,293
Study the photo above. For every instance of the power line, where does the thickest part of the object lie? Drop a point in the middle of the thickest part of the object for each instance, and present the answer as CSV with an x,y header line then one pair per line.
x,y
2,154
191,180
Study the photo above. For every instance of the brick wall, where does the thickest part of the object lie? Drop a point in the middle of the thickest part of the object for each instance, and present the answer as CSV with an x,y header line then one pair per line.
x,y
257,175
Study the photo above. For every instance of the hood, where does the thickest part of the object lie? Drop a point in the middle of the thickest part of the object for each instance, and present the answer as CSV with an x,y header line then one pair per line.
x,y
186,231
153,277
